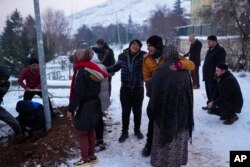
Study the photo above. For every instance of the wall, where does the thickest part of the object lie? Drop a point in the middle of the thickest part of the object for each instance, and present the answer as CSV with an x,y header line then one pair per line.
x,y
231,45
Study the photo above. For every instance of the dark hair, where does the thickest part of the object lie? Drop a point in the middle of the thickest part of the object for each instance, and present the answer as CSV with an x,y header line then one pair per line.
x,y
100,41
212,37
33,61
155,41
137,41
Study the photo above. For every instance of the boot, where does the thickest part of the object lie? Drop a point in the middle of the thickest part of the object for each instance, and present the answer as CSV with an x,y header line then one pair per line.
x,y
123,137
146,151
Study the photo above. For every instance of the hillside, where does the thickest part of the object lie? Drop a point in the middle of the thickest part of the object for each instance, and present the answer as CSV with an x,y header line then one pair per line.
x,y
112,12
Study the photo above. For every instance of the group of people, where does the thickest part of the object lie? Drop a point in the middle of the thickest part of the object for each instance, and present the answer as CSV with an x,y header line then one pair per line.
x,y
169,80
30,117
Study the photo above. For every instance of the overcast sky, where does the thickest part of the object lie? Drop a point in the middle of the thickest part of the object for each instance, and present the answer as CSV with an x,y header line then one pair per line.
x,y
26,7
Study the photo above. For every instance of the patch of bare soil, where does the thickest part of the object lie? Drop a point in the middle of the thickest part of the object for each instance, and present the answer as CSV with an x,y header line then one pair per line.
x,y
47,150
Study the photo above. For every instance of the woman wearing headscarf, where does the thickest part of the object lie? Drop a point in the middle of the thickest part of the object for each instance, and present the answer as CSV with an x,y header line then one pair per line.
x,y
85,106
172,104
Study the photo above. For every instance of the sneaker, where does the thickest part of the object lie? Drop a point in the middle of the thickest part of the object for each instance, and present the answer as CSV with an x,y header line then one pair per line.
x,y
93,159
123,137
82,163
146,151
231,120
139,135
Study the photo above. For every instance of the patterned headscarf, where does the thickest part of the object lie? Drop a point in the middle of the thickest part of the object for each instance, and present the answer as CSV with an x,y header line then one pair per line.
x,y
171,52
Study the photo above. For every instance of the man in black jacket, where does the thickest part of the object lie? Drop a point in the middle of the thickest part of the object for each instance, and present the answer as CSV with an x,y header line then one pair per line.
x,y
194,55
228,98
5,115
216,55
105,55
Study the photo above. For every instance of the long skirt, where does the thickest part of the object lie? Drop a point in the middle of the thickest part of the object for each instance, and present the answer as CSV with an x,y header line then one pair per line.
x,y
173,154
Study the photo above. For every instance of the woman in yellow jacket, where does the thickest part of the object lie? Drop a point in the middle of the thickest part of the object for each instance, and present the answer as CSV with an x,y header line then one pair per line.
x,y
152,60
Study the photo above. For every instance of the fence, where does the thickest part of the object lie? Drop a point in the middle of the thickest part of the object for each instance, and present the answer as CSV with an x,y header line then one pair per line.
x,y
202,29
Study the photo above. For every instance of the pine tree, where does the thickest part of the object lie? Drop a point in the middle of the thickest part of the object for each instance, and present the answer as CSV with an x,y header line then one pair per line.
x,y
12,51
177,8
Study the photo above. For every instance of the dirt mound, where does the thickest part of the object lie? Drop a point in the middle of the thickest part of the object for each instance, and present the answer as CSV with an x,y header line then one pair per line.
x,y
50,149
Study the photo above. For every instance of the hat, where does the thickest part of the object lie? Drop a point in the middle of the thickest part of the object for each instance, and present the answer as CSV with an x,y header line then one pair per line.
x,y
137,41
155,41
222,66
4,72
33,61
100,41
212,37
84,55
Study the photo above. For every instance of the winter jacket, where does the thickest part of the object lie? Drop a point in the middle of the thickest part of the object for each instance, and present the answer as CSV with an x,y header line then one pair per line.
x,y
105,55
4,87
131,68
214,56
195,52
228,94
32,79
85,99
171,101
150,65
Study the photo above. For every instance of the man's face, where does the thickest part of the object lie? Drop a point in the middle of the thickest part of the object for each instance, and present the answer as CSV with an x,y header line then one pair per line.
x,y
211,43
134,48
34,67
151,49
99,45
219,72
191,40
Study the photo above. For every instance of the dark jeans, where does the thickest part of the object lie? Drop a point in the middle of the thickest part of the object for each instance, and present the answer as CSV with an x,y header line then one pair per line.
x,y
99,131
150,127
195,76
131,99
28,95
6,117
210,89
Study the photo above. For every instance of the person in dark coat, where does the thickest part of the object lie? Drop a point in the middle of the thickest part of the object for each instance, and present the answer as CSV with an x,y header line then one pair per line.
x,y
85,105
215,55
31,116
194,55
5,115
132,92
228,98
105,55
171,101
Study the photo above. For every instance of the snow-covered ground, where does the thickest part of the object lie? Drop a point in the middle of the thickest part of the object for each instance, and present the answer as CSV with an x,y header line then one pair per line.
x,y
212,140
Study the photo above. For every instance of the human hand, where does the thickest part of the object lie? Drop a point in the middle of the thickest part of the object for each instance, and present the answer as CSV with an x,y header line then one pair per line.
x,y
70,115
176,66
210,105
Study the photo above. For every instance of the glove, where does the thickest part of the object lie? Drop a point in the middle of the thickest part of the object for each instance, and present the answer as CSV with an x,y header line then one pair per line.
x,y
176,66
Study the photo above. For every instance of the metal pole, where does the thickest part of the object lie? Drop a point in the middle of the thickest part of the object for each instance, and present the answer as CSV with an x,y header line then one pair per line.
x,y
42,64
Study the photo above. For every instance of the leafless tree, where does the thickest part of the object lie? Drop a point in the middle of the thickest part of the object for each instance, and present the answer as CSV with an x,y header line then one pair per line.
x,y
232,17
56,29
163,22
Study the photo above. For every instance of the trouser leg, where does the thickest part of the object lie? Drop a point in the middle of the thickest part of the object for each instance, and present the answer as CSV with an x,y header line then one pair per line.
x,y
10,120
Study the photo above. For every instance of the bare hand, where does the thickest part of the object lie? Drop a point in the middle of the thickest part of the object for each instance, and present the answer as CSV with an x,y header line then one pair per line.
x,y
210,105
70,115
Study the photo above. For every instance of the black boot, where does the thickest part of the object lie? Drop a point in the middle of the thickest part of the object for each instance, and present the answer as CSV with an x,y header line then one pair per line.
x,y
146,151
123,137
138,134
